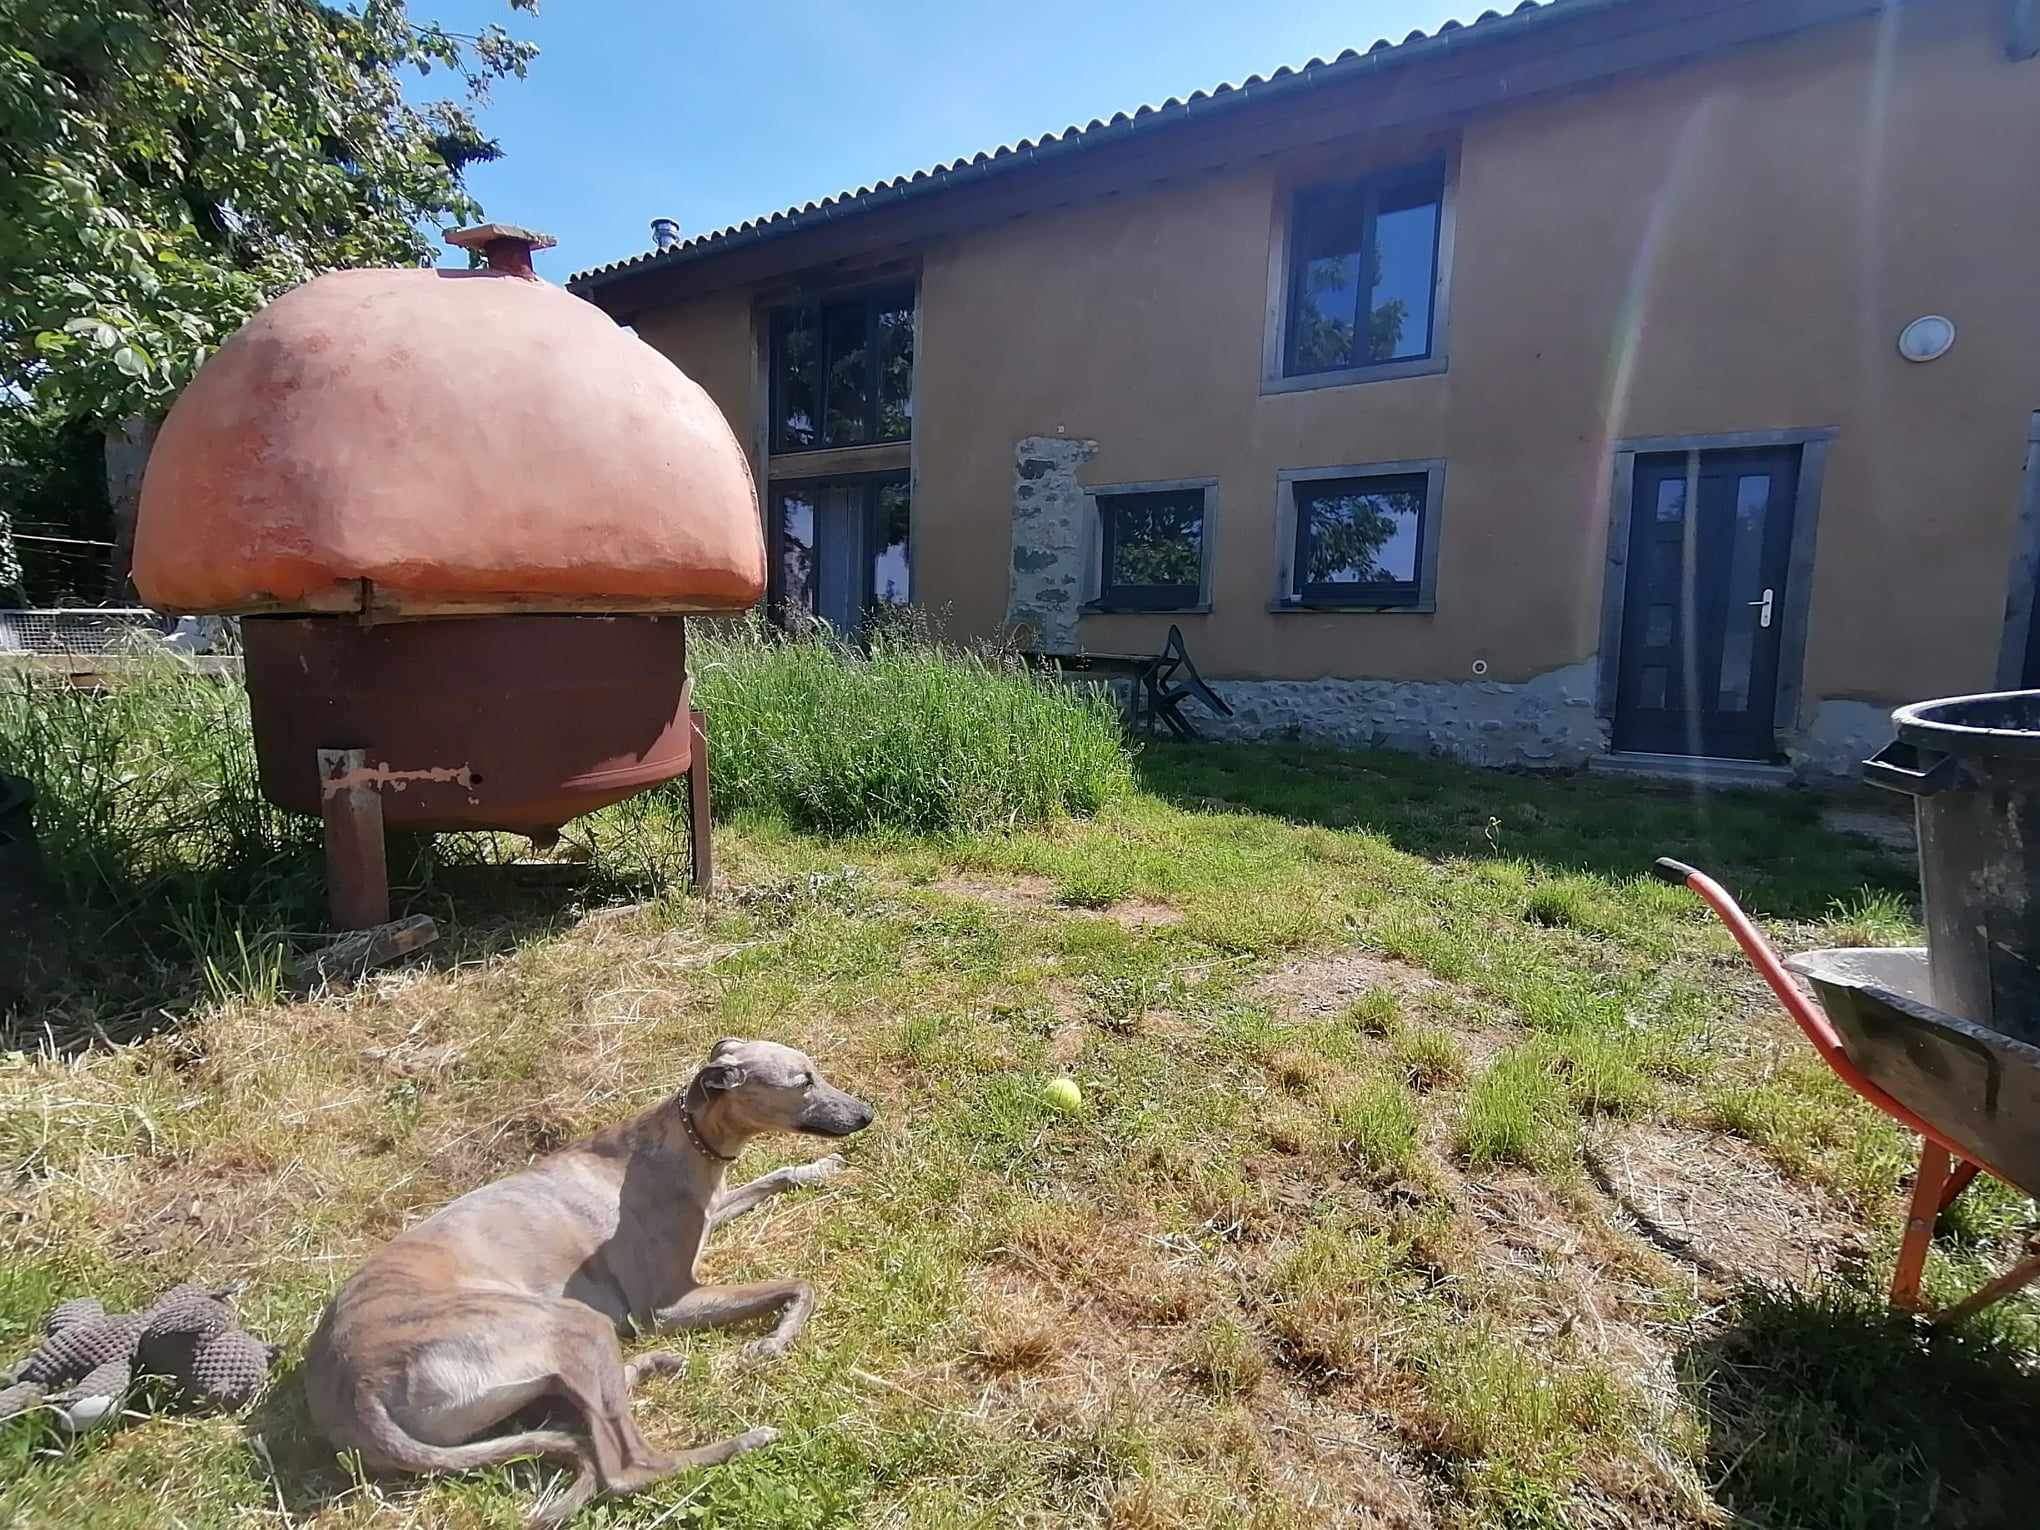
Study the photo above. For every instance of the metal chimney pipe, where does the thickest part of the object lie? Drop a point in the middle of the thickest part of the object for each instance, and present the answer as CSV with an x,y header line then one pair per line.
x,y
665,233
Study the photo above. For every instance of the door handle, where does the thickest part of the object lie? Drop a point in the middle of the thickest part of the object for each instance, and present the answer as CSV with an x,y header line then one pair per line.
x,y
1764,605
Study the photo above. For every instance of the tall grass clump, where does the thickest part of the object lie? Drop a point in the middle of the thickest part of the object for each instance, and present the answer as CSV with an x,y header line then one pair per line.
x,y
156,853
909,735
144,786
1516,1112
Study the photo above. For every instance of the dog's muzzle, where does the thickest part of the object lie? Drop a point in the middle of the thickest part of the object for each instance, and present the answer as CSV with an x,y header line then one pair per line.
x,y
835,1114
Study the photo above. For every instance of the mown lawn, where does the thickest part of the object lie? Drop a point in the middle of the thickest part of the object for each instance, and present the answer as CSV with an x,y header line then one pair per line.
x,y
1437,1168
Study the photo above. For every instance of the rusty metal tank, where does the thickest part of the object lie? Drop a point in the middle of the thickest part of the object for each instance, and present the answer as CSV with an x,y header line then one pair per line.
x,y
546,718
464,515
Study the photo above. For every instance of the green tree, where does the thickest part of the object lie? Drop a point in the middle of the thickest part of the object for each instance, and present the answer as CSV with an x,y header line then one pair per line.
x,y
1349,532
53,486
1324,323
1158,544
168,166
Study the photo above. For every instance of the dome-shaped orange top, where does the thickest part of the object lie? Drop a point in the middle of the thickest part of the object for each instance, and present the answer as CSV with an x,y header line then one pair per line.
x,y
431,441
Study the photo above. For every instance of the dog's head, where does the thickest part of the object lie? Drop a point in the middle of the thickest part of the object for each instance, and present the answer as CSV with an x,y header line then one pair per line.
x,y
761,1086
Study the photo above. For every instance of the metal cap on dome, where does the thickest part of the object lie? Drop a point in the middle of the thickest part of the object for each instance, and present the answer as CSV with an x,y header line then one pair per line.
x,y
505,246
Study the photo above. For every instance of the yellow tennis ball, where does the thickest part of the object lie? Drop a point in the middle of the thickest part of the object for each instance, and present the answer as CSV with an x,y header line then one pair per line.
x,y
1063,1096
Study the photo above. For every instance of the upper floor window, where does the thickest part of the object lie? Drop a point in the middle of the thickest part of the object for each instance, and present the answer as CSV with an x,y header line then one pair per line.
x,y
843,371
1363,272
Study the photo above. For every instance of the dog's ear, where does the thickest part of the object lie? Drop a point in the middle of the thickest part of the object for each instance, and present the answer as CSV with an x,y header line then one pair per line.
x,y
720,1076
724,1043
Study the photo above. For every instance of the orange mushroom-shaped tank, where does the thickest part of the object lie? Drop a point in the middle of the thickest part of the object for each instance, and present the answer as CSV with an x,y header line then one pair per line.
x,y
463,513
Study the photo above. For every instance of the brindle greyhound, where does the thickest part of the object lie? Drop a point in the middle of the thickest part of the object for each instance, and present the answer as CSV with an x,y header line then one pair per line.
x,y
516,1291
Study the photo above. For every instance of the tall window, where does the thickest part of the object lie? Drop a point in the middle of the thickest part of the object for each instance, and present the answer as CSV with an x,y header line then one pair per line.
x,y
839,549
1151,552
1363,269
843,371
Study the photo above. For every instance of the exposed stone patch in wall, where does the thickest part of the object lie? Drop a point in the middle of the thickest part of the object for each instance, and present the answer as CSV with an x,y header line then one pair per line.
x,y
1842,735
1048,538
1547,721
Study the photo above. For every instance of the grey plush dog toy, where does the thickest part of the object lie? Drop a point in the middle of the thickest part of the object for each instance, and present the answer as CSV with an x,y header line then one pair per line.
x,y
89,1358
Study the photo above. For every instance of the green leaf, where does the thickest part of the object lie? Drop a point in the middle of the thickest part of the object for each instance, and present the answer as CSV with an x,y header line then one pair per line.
x,y
177,166
98,331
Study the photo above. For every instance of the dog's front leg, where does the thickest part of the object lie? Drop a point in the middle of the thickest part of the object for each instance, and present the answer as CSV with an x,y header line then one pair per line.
x,y
734,1203
720,1306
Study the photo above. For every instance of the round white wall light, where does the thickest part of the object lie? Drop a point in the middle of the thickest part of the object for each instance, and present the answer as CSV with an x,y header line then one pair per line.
x,y
1927,338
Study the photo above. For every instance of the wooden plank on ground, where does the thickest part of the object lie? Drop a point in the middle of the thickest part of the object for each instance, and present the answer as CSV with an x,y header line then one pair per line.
x,y
348,958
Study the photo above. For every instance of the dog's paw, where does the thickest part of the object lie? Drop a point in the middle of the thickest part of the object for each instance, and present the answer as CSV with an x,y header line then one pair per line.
x,y
764,1351
821,1169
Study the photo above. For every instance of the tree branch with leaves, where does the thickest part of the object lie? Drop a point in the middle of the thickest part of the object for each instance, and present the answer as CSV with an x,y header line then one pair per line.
x,y
168,166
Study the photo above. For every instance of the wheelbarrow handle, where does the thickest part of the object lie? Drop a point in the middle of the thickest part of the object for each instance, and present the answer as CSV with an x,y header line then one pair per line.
x,y
1807,1014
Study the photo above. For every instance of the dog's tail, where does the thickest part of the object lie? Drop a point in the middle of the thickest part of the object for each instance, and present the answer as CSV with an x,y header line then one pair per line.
x,y
386,1444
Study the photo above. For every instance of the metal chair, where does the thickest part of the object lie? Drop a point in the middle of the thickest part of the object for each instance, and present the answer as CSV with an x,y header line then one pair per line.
x,y
1173,680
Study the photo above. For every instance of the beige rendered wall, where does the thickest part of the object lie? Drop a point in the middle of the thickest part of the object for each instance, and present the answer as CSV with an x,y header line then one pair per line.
x,y
1727,247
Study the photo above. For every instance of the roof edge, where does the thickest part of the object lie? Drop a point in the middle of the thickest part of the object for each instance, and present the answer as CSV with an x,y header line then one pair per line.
x,y
1452,36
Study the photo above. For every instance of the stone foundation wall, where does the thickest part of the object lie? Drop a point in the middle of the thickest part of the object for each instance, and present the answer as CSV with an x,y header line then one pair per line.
x,y
1548,721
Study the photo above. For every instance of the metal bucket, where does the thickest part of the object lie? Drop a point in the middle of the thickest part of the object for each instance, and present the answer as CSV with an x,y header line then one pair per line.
x,y
1972,766
487,722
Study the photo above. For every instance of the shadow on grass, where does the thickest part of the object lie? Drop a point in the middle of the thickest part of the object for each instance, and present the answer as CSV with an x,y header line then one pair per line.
x,y
1769,847
305,1472
306,1475
1829,1412
121,964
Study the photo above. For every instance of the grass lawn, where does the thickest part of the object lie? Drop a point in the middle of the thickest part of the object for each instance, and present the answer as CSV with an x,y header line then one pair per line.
x,y
1436,1168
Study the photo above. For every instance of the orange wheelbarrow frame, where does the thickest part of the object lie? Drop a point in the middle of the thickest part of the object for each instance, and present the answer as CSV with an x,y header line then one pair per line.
x,y
1946,1169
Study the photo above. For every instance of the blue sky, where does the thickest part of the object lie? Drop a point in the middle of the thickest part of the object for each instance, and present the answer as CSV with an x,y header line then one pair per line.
x,y
714,114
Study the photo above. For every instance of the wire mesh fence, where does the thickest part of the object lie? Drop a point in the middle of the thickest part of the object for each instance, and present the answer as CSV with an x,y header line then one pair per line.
x,y
81,629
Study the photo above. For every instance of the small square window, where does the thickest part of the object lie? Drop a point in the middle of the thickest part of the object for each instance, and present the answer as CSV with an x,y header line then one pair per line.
x,y
1360,541
1151,549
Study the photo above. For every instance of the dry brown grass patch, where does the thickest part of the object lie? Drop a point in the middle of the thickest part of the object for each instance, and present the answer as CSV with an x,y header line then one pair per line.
x,y
1222,1356
1299,1131
1301,1071
1014,1327
1026,893
1331,984
1716,1204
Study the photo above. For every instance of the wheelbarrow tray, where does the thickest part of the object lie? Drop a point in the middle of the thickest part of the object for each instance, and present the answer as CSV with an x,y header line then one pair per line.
x,y
1979,1086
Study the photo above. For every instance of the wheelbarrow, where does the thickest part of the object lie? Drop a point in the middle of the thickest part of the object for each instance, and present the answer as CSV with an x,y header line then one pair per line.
x,y
1971,1093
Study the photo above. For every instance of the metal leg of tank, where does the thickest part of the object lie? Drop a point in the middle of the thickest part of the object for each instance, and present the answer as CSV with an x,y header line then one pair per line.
x,y
357,862
701,860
